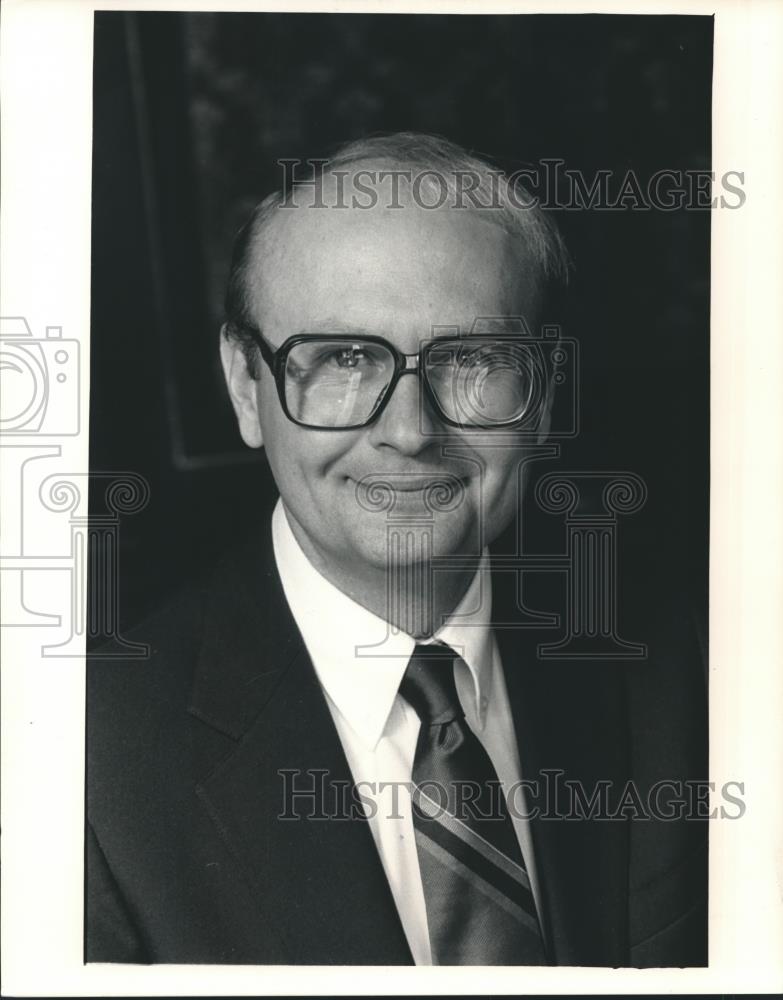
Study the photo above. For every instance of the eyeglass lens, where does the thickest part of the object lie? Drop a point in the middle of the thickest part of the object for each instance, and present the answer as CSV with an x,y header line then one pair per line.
x,y
336,383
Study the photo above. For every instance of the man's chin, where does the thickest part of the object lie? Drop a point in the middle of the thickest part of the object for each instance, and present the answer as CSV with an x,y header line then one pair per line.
x,y
407,543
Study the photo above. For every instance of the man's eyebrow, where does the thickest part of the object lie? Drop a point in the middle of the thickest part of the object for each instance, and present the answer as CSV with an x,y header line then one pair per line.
x,y
329,325
350,330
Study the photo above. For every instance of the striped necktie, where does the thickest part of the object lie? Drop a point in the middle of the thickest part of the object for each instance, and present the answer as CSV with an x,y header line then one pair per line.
x,y
480,908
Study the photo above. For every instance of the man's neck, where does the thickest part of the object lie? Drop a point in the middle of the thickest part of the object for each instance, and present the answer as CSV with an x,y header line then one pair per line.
x,y
411,596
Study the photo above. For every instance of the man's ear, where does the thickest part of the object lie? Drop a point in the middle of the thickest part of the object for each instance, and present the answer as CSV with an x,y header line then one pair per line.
x,y
242,388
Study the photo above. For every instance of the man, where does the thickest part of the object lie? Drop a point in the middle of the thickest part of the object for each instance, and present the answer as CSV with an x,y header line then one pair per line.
x,y
336,751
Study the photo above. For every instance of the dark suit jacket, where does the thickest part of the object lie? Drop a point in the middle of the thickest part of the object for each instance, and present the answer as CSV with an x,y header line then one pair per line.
x,y
188,862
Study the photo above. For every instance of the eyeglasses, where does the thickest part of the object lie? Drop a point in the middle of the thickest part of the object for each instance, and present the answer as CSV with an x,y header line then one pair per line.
x,y
341,382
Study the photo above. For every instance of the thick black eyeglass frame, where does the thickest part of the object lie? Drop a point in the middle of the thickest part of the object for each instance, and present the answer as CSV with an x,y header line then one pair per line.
x,y
275,359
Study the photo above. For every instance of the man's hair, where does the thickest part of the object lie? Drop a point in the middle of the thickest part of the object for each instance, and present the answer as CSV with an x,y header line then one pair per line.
x,y
446,172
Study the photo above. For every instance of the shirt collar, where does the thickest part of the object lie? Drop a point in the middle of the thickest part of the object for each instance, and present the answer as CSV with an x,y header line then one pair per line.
x,y
358,657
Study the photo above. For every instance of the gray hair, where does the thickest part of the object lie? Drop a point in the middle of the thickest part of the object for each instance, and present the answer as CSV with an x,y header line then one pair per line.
x,y
442,168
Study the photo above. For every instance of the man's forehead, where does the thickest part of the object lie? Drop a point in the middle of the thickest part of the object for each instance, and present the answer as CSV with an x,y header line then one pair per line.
x,y
422,250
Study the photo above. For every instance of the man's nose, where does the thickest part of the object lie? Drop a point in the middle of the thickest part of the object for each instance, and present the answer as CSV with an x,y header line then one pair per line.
x,y
407,423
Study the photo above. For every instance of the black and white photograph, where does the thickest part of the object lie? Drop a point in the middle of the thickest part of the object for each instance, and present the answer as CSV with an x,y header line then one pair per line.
x,y
429,648
393,470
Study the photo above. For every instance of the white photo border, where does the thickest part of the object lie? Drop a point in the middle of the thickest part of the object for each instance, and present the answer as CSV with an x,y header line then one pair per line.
x,y
46,60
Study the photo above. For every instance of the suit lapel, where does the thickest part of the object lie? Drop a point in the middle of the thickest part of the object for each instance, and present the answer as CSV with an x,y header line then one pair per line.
x,y
318,881
570,721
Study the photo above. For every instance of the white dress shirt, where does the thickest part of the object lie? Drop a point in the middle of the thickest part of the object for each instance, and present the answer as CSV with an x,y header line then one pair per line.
x,y
360,661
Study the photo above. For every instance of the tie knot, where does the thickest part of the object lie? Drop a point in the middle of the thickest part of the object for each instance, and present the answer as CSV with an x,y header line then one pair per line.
x,y
429,687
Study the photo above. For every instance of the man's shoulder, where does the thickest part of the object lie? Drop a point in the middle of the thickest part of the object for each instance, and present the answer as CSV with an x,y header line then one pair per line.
x,y
212,620
143,732
159,650
137,702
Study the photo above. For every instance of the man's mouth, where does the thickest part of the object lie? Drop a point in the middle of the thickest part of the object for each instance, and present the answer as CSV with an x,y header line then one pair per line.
x,y
409,482
441,490
420,487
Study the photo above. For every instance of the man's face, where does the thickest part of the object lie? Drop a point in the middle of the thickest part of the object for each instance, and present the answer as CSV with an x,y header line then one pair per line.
x,y
394,274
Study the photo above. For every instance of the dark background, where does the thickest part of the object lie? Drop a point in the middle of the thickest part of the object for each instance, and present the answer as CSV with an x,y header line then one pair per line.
x,y
191,113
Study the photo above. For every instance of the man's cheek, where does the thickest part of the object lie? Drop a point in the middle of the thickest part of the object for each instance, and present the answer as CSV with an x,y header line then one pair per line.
x,y
501,497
